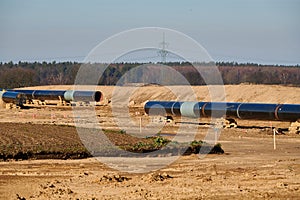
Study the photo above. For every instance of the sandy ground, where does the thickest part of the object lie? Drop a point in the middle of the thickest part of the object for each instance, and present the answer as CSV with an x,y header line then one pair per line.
x,y
233,93
249,169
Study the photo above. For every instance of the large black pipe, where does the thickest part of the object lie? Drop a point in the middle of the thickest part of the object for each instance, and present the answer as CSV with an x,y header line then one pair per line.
x,y
66,95
28,93
16,98
161,108
257,111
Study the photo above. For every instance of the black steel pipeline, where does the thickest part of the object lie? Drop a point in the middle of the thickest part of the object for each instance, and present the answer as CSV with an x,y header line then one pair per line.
x,y
66,95
257,111
13,97
161,108
28,93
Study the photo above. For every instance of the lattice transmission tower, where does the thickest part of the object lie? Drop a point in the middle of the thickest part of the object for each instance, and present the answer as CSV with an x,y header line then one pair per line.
x,y
163,52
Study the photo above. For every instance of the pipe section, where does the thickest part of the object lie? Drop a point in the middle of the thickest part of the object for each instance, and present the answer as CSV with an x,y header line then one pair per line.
x,y
257,111
190,109
160,108
47,94
13,97
72,95
66,95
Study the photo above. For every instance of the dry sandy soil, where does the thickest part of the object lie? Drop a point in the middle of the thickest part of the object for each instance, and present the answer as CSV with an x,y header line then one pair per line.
x,y
233,93
249,169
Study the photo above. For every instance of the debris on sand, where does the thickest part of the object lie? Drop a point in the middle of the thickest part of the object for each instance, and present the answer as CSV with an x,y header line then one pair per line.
x,y
114,178
153,177
20,198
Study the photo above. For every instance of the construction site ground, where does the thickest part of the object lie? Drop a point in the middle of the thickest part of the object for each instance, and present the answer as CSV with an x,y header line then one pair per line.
x,y
250,168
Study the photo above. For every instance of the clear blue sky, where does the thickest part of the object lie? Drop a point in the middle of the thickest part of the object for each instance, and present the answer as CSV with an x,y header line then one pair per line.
x,y
262,31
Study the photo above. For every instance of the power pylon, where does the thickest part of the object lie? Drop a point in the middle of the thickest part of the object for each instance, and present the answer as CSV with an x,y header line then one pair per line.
x,y
163,52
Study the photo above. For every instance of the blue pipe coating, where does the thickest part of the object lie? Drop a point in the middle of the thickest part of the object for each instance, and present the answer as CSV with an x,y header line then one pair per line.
x,y
66,95
255,111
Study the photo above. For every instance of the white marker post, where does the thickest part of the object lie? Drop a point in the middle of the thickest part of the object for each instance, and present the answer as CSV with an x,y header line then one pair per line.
x,y
274,134
274,139
140,124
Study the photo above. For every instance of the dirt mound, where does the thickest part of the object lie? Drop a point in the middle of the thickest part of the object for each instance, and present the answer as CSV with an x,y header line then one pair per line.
x,y
154,177
234,93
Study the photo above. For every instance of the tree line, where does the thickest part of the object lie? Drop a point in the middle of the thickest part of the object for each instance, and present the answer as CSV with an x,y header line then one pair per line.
x,y
24,74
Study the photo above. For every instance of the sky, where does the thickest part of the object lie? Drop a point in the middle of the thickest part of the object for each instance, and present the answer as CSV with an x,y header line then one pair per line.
x,y
259,31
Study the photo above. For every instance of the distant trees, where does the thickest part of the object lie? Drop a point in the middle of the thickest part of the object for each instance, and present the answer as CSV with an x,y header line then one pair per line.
x,y
30,74
24,74
261,75
17,77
